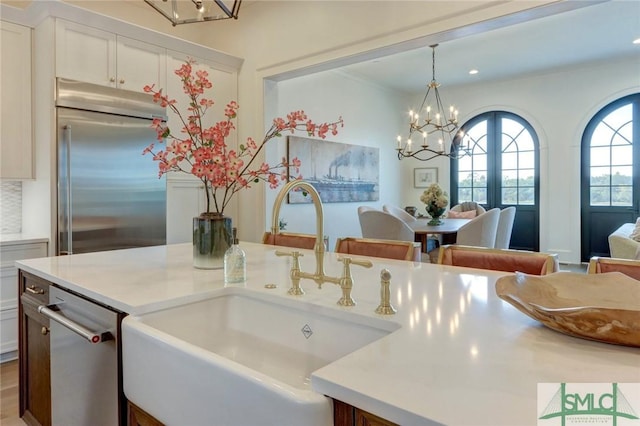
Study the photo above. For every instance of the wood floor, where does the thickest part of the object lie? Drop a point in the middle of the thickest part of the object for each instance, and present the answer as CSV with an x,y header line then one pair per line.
x,y
9,394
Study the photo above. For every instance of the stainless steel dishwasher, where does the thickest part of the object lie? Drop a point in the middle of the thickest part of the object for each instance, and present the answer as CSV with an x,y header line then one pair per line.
x,y
84,360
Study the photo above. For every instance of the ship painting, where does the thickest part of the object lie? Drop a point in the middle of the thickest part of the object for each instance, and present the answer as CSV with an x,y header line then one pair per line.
x,y
340,172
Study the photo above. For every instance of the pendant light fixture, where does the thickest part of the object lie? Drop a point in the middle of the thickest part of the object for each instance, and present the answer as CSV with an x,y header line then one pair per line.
x,y
433,131
190,11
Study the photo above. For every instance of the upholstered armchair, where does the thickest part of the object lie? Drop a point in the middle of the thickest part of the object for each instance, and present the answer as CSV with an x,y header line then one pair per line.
x,y
399,213
384,226
600,265
505,227
401,250
466,206
528,262
290,239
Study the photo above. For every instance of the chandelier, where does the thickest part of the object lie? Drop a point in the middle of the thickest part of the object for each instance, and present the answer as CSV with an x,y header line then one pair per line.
x,y
437,134
190,11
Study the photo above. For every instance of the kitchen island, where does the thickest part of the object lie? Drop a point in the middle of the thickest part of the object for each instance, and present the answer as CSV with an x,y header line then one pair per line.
x,y
461,356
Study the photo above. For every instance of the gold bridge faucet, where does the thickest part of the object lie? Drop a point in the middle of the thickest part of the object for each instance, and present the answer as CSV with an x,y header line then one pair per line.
x,y
346,281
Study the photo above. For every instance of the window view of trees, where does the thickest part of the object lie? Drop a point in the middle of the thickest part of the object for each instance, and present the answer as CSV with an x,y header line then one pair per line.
x,y
611,154
517,164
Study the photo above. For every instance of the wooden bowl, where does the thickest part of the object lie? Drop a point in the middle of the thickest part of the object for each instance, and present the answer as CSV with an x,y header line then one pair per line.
x,y
602,307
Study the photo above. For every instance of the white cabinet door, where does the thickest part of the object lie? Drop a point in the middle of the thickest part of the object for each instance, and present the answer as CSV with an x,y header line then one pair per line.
x,y
85,54
9,293
16,131
96,56
185,200
140,64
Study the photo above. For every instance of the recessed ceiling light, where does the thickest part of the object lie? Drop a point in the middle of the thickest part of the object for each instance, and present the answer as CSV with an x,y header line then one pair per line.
x,y
636,41
473,71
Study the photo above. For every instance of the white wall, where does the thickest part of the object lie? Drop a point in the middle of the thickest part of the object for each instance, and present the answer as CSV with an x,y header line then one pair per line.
x,y
280,38
371,118
558,105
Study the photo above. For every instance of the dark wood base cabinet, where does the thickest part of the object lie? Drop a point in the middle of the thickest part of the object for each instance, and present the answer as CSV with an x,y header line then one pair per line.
x,y
348,415
34,347
343,415
139,417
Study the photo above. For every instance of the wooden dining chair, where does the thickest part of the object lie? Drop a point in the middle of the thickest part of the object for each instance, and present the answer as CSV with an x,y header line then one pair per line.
x,y
629,267
528,262
290,239
389,249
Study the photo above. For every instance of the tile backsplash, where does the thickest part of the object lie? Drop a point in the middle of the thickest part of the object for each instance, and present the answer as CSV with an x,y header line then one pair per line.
x,y
10,207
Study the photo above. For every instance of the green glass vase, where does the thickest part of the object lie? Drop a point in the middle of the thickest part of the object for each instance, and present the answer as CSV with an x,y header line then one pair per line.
x,y
211,238
436,214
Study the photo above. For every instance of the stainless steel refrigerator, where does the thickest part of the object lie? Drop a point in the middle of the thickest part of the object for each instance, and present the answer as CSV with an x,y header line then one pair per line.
x,y
109,194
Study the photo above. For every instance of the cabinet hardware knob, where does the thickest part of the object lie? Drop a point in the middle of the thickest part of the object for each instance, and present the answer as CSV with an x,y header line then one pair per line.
x,y
34,290
122,81
112,80
44,331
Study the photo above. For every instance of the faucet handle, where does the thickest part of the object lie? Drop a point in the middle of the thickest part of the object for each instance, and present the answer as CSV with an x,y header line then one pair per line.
x,y
295,288
294,254
346,280
364,263
385,307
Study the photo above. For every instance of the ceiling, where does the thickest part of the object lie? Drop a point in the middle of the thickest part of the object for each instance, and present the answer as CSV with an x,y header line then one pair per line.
x,y
599,32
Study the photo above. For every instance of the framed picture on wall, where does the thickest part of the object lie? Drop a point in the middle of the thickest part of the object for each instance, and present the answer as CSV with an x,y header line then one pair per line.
x,y
340,172
424,177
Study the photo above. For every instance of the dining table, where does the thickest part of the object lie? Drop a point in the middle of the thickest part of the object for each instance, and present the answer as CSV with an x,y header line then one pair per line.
x,y
448,229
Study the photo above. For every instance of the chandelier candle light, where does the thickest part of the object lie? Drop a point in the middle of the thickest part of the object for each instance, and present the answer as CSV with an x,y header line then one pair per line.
x,y
436,124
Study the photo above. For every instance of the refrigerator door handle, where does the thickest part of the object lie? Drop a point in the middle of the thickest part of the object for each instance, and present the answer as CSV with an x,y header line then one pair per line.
x,y
66,200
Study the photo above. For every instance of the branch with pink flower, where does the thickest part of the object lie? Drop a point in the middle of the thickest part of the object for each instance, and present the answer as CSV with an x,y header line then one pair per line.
x,y
203,151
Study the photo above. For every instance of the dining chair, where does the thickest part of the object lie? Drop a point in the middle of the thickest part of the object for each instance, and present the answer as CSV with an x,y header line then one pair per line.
x,y
629,267
290,239
384,226
478,232
389,249
466,206
399,213
505,227
528,262
365,209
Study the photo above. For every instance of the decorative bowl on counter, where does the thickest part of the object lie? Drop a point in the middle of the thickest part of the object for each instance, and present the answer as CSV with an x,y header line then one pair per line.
x,y
602,307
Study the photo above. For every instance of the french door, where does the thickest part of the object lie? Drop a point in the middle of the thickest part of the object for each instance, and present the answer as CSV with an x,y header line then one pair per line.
x,y
610,176
502,171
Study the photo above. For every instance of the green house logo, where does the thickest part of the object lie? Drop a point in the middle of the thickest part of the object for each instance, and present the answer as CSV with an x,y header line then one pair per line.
x,y
588,403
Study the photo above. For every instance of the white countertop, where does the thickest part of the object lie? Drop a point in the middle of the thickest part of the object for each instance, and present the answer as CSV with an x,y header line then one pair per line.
x,y
462,356
19,238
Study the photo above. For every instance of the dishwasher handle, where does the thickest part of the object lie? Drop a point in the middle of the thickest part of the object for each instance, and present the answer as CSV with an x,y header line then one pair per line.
x,y
92,336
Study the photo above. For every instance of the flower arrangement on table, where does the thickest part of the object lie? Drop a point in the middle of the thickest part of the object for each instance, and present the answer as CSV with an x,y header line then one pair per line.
x,y
204,151
436,201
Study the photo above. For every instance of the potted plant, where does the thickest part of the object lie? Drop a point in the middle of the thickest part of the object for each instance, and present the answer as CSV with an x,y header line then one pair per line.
x,y
224,170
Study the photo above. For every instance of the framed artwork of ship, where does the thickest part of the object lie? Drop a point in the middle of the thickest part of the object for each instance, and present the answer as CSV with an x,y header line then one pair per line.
x,y
340,172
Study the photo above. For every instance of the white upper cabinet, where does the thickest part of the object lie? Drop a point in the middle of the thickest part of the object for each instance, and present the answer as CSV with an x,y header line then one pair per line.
x,y
140,64
16,131
96,56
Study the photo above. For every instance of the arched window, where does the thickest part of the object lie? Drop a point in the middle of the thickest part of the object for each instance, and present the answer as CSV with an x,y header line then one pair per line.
x,y
502,170
610,187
